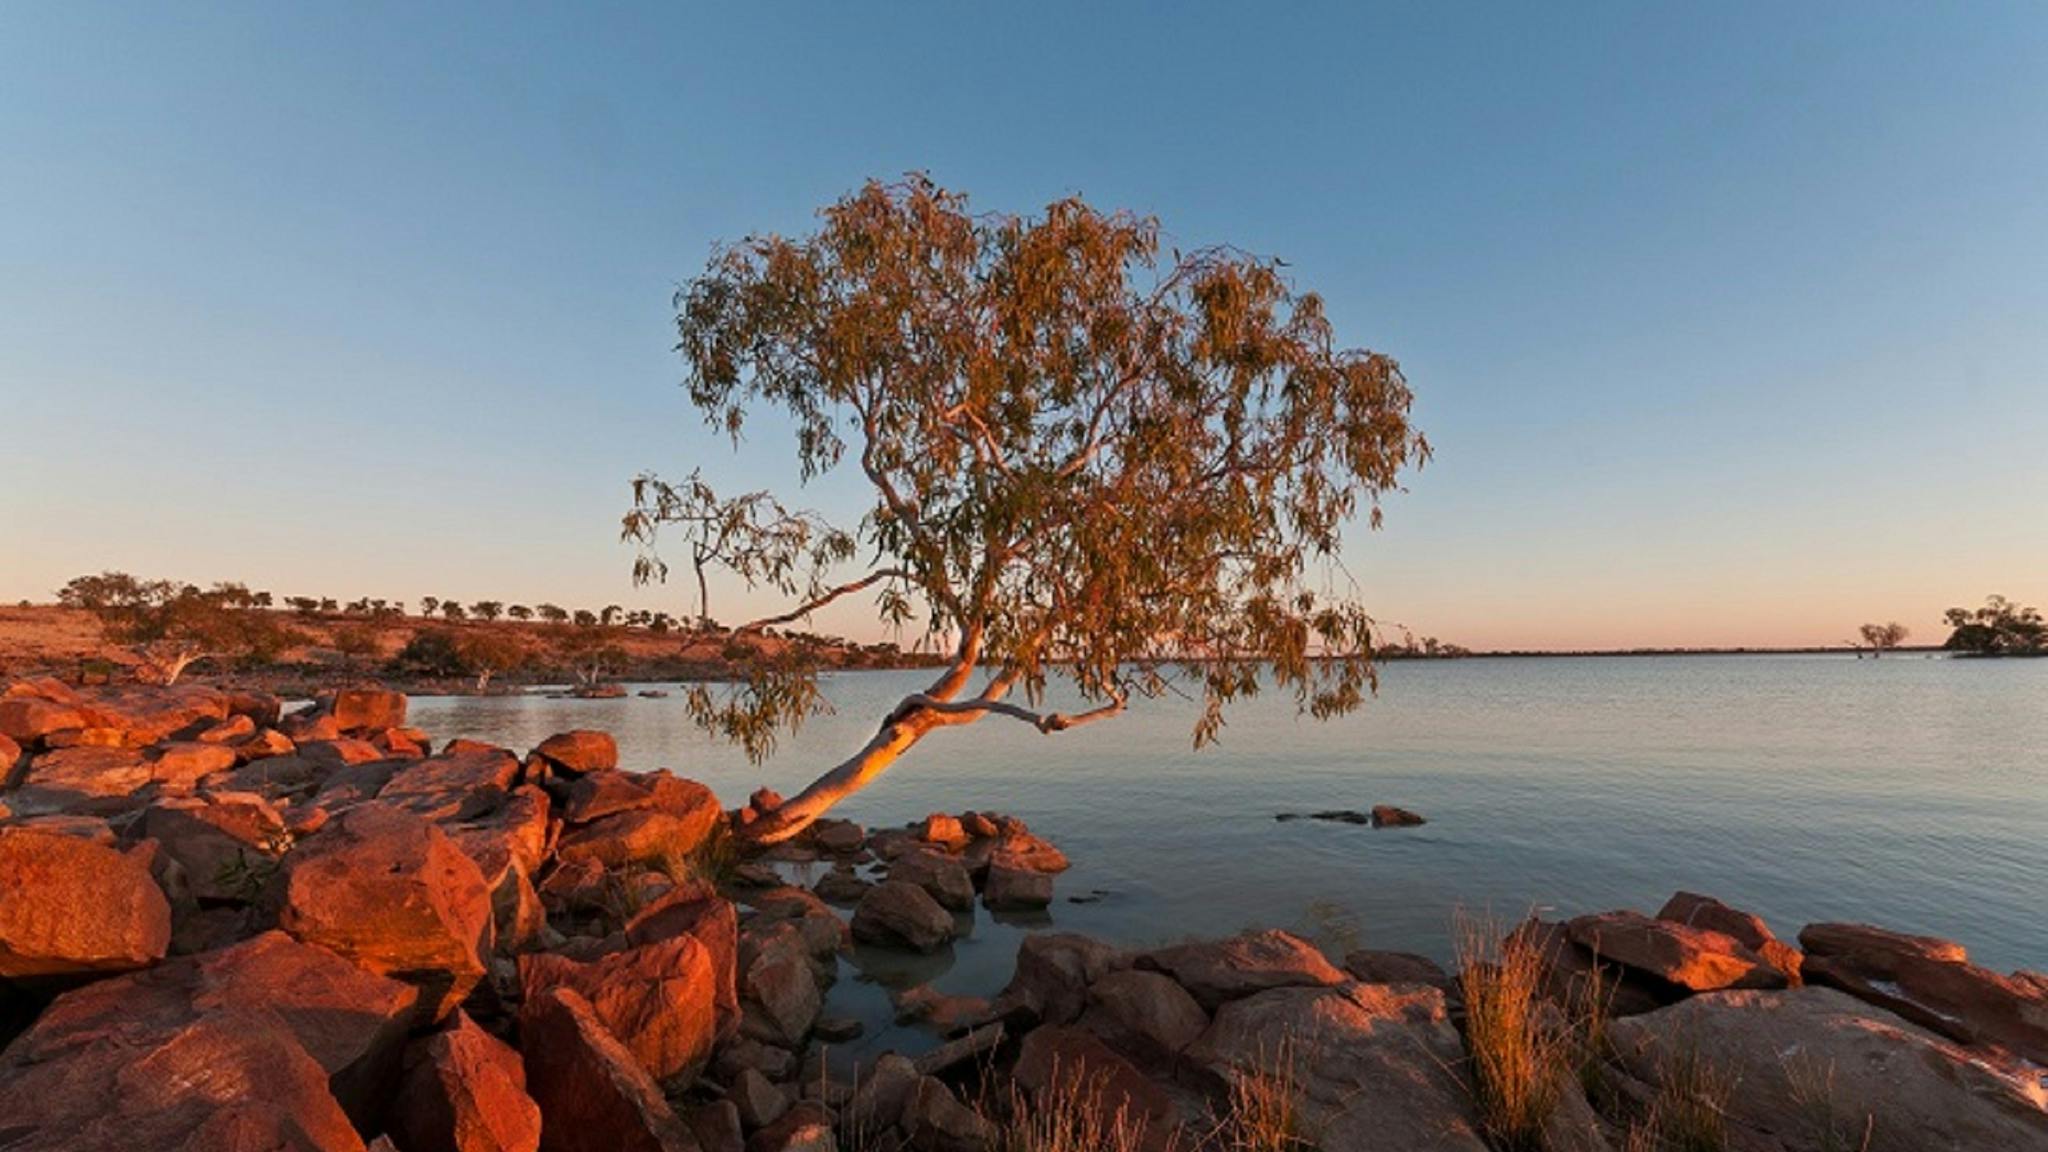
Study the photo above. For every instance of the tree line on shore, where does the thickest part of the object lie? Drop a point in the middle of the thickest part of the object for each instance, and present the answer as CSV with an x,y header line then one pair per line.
x,y
2001,627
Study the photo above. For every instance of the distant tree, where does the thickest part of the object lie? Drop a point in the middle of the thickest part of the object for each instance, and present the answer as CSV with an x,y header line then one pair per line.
x,y
488,653
358,643
585,618
429,605
660,623
638,618
359,607
431,652
487,609
1882,638
519,612
170,625
590,654
1084,459
552,613
263,600
2000,628
389,609
609,615
303,605
329,604
453,611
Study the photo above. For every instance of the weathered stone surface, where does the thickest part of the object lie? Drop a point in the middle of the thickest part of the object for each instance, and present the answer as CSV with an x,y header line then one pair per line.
x,y
716,1126
1373,967
1818,1069
639,836
265,744
961,1051
510,833
1573,979
603,792
1016,849
233,730
593,1096
1054,971
660,1001
1388,816
944,877
1011,889
1218,971
229,1082
936,1121
1145,1015
28,719
700,912
227,842
332,754
351,1024
308,725
83,779
779,995
941,829
1917,978
364,709
180,765
69,906
1694,958
464,1090
1374,1064
10,755
1697,911
1073,1067
580,750
760,1102
842,885
839,837
879,1097
391,892
899,914
823,931
454,786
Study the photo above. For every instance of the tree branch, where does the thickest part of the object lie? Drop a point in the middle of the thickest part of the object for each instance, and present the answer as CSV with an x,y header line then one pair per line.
x,y
805,609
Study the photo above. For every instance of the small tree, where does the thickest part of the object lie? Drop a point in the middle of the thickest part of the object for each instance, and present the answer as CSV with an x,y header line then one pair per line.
x,y
429,605
1085,459
357,643
2000,628
590,654
585,618
519,612
552,613
1882,638
303,605
609,615
431,652
450,610
171,625
487,609
490,653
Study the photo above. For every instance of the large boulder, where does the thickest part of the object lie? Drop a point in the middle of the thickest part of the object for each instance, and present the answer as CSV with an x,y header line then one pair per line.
x,y
660,1000
464,1090
899,914
1374,1066
1818,1069
1053,974
70,906
593,1096
296,1002
391,892
361,710
1144,1014
1012,889
1070,1070
698,911
459,784
939,874
579,751
87,778
27,719
1931,983
683,818
1219,971
228,843
779,997
1573,978
180,765
1697,959
1697,911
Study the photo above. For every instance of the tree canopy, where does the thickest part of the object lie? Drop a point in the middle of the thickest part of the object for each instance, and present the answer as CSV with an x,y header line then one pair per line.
x,y
171,625
2000,628
1087,455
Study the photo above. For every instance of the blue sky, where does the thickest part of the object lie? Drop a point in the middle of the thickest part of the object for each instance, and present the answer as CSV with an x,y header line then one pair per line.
x,y
1727,324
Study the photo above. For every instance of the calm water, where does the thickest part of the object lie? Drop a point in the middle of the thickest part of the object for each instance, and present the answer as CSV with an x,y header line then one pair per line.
x,y
1911,792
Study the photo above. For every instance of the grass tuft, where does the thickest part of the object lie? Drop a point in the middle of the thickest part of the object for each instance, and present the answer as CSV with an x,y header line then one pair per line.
x,y
1521,1048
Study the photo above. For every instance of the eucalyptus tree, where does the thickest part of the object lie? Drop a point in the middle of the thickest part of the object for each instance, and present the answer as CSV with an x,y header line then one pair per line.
x,y
1089,457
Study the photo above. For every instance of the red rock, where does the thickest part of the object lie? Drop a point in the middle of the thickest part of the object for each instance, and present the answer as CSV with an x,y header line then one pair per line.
x,y
696,910
1010,888
83,779
779,997
398,743
309,725
10,755
1867,941
581,750
1695,958
978,826
806,1127
512,834
939,828
897,913
89,738
180,765
1924,980
232,730
603,792
1054,970
464,1090
71,906
349,1023
764,800
230,1082
1143,1014
364,709
340,753
392,893
147,714
264,744
644,836
28,719
1072,1065
593,1096
1572,978
455,785
1218,971
944,877
228,842
660,1000
1697,911
260,707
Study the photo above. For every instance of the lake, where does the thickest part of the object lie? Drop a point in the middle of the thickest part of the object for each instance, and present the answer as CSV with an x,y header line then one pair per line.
x,y
1911,792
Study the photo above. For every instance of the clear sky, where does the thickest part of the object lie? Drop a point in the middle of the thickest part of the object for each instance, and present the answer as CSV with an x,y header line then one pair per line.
x,y
1730,325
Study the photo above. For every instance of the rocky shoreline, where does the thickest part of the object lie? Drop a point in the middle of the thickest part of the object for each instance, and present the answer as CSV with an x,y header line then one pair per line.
x,y
225,927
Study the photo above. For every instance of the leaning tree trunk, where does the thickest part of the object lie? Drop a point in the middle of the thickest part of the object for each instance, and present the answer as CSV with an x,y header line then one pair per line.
x,y
800,811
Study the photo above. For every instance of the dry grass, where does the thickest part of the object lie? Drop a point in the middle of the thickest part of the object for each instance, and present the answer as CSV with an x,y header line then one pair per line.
x,y
1075,1120
1521,1051
1263,1112
1690,1112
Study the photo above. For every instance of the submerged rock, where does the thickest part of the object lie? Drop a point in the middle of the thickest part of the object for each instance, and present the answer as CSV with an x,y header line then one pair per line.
x,y
898,913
